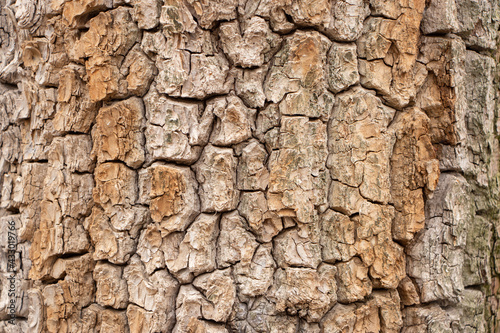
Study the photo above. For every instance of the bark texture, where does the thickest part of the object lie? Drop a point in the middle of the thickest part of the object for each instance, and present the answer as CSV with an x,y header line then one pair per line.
x,y
249,166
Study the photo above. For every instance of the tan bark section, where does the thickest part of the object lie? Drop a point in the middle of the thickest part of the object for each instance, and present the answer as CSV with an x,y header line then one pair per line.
x,y
249,166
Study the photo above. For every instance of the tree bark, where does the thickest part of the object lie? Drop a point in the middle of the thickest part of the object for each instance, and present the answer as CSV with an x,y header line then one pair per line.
x,y
249,166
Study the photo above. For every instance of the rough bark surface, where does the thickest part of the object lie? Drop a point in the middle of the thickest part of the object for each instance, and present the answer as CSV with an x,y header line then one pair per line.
x,y
249,166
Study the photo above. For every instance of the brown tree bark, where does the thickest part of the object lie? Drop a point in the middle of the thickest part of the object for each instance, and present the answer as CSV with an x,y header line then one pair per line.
x,y
249,166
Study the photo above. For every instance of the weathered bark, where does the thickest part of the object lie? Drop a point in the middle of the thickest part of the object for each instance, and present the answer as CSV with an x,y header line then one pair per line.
x,y
249,166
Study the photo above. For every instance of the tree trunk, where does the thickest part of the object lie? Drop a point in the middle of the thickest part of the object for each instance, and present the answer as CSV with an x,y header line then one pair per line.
x,y
249,166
